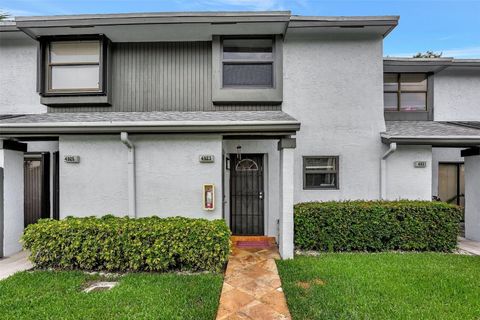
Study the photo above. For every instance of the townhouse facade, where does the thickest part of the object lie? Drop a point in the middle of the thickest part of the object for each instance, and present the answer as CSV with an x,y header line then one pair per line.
x,y
226,115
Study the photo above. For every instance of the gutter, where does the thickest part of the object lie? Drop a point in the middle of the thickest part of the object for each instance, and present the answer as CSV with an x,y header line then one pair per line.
x,y
383,170
132,212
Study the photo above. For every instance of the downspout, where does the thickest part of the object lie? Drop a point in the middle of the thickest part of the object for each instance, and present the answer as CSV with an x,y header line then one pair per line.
x,y
131,174
383,170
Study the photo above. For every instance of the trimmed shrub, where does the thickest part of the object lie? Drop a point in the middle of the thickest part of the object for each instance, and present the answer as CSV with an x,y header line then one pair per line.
x,y
123,244
376,226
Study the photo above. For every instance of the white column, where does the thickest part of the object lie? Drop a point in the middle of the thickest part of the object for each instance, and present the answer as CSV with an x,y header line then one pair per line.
x,y
286,147
11,201
472,198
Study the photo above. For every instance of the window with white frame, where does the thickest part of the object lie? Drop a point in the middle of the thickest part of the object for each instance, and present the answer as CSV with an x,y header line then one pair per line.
x,y
248,63
320,172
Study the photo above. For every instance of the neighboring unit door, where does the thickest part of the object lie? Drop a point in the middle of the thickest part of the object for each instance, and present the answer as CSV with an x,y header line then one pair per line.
x,y
246,194
451,183
36,169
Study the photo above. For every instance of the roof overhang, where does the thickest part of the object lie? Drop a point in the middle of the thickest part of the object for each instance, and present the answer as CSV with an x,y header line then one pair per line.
x,y
422,65
442,141
342,25
425,65
245,123
165,26
432,133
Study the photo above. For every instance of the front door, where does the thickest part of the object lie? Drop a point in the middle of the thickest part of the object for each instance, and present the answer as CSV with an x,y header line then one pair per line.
x,y
451,183
246,194
36,187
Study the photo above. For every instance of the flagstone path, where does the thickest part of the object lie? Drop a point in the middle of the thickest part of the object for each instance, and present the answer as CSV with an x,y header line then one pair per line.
x,y
252,288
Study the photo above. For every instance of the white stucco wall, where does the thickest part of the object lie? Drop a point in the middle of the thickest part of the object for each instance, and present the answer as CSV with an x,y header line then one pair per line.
x,y
12,162
335,88
18,61
169,176
457,95
472,198
404,181
443,155
271,178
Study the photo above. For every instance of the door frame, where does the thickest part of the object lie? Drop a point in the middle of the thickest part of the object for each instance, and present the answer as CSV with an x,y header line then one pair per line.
x,y
231,167
44,158
458,165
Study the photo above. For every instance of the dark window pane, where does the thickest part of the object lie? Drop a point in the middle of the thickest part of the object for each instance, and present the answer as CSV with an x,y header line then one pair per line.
x,y
413,82
321,180
390,102
413,101
259,74
248,49
390,82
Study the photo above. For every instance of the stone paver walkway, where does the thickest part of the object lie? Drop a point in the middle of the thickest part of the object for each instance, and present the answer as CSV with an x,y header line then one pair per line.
x,y
470,246
14,263
252,288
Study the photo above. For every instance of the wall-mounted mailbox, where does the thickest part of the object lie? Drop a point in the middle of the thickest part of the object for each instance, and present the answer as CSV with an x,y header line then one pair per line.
x,y
208,197
71,159
420,164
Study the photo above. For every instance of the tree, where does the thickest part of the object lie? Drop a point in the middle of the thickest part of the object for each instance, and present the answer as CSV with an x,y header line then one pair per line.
x,y
3,15
428,54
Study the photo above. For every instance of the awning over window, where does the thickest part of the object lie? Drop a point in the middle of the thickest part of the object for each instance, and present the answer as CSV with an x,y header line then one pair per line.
x,y
434,133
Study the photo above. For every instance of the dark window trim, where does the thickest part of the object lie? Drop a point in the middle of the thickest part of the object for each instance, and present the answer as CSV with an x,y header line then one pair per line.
x,y
248,61
43,63
337,173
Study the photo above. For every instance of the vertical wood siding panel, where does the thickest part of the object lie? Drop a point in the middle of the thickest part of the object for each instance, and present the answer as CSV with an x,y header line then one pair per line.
x,y
162,76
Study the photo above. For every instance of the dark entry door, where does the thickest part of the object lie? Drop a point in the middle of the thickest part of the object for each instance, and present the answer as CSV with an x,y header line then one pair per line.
x,y
36,168
246,194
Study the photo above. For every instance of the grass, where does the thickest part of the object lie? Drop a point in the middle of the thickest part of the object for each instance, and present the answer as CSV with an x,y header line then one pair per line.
x,y
58,295
382,286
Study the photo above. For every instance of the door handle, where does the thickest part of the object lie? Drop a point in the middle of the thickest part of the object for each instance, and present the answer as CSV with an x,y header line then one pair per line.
x,y
260,195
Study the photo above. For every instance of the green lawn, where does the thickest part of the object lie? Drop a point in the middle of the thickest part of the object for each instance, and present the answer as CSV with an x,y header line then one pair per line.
x,y
382,286
58,295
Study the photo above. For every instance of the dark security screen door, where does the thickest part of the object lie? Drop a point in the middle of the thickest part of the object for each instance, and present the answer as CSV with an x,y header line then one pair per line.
x,y
246,194
36,187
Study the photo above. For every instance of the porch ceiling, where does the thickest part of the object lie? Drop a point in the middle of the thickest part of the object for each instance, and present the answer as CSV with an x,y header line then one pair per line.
x,y
238,122
434,133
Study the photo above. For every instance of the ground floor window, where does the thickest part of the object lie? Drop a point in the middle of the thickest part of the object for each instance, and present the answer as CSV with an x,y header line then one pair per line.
x,y
320,172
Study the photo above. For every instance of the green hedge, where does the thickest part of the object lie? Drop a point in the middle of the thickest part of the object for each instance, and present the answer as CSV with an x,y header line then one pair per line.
x,y
376,226
123,244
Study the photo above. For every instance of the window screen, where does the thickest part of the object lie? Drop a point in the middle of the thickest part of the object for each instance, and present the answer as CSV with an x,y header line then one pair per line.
x,y
74,66
320,172
247,63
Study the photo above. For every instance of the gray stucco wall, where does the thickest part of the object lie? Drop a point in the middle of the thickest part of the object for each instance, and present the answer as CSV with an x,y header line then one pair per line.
x,y
334,87
404,181
457,95
169,176
12,163
18,64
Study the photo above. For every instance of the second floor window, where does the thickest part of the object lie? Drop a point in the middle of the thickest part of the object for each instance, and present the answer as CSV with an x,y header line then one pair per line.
x,y
405,92
73,66
248,63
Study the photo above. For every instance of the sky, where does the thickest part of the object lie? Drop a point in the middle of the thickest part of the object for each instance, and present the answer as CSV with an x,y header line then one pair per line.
x,y
446,26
